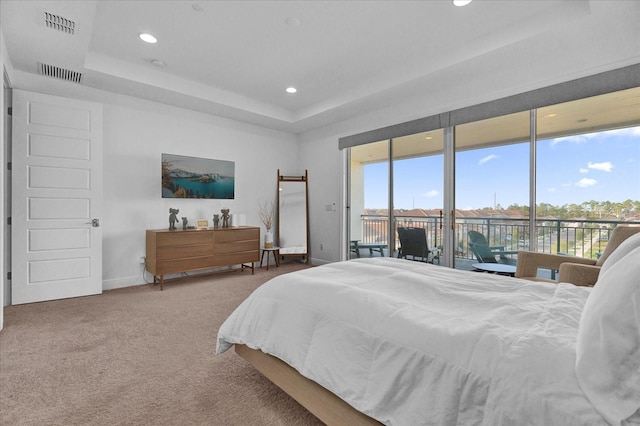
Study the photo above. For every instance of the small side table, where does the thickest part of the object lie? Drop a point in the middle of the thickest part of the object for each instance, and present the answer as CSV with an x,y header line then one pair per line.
x,y
267,251
496,268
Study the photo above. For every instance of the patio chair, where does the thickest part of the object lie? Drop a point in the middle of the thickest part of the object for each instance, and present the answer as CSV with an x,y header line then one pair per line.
x,y
354,247
413,243
571,269
483,251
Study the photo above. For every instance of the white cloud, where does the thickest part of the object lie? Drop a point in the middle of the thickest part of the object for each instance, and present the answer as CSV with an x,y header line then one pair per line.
x,y
487,159
577,139
432,193
586,182
583,170
551,189
604,166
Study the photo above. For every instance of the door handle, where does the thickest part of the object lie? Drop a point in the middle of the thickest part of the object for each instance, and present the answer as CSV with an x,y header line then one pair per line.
x,y
94,222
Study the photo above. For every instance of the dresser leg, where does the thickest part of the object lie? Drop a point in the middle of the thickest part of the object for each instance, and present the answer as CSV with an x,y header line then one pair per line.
x,y
161,282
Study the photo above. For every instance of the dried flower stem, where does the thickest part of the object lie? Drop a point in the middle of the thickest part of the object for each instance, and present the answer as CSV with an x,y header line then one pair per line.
x,y
266,212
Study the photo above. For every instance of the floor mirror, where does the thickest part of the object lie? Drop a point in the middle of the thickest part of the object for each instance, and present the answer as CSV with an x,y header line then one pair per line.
x,y
293,216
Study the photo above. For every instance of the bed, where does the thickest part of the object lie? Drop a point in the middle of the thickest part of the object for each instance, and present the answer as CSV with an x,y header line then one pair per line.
x,y
391,341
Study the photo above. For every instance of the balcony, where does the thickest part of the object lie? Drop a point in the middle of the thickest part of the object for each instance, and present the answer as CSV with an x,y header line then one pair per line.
x,y
583,238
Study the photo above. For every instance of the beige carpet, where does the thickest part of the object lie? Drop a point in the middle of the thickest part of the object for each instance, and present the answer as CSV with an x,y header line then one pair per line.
x,y
137,356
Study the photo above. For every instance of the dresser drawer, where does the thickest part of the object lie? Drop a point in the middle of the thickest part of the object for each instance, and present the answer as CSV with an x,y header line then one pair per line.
x,y
184,251
184,238
236,258
234,234
181,265
235,247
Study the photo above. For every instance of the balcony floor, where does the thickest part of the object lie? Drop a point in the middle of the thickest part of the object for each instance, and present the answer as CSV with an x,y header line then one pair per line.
x,y
462,263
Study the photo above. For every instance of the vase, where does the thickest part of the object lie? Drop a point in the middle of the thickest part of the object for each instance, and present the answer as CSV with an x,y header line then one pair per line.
x,y
268,239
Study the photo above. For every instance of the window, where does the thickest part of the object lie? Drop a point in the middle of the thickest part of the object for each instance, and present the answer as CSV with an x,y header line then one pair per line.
x,y
580,170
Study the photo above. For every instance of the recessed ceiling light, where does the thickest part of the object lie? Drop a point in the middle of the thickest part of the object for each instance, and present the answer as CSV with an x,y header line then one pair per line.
x,y
428,137
461,2
291,90
148,38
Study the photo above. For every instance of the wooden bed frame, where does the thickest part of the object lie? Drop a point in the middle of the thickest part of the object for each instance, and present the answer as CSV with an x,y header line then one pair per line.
x,y
322,403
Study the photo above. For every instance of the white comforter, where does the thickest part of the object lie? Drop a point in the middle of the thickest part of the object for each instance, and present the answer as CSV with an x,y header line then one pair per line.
x,y
409,343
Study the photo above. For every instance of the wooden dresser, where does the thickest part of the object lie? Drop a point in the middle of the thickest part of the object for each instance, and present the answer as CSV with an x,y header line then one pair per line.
x,y
172,252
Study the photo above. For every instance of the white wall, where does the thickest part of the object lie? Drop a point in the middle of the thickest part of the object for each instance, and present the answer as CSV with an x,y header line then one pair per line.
x,y
321,157
136,133
135,138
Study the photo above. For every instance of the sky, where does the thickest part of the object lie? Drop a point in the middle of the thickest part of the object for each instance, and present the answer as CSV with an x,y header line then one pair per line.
x,y
603,166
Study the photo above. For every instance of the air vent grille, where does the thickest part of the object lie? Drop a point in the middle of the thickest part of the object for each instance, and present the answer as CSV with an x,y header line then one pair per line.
x,y
59,23
60,73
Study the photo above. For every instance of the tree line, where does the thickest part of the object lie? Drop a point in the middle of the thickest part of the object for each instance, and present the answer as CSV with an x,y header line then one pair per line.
x,y
586,210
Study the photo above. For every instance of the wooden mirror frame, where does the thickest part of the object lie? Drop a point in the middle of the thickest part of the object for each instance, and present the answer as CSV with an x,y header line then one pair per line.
x,y
304,179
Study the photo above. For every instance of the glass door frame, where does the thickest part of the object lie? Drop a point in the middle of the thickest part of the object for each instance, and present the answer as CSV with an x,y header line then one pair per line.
x,y
449,206
604,83
447,252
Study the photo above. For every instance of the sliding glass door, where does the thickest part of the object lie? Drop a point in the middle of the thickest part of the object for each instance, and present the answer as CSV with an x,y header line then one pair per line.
x,y
553,179
588,172
492,186
369,200
396,183
418,181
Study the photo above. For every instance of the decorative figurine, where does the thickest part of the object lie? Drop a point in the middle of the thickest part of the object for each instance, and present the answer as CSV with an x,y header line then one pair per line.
x,y
225,218
216,220
173,218
184,222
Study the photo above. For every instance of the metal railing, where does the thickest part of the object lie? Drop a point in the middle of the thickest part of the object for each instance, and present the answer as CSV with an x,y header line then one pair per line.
x,y
584,238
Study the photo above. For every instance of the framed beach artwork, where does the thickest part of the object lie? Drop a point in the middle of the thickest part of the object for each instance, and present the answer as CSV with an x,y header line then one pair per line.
x,y
194,177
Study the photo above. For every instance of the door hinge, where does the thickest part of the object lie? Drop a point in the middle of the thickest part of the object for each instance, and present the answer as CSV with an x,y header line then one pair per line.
x,y
9,275
9,165
9,220
10,111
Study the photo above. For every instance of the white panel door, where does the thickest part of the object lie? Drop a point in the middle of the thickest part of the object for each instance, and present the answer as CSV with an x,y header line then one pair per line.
x,y
57,198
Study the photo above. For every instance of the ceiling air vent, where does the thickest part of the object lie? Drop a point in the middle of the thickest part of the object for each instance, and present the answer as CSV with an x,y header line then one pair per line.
x,y
60,73
59,23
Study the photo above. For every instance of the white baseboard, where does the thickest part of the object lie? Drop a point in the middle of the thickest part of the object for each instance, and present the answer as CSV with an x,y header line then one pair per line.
x,y
148,278
123,282
317,262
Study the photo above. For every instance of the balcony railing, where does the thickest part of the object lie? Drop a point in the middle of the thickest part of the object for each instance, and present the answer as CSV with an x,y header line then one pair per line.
x,y
584,238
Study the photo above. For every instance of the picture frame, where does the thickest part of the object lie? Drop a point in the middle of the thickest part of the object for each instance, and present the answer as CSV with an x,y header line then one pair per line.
x,y
202,224
195,177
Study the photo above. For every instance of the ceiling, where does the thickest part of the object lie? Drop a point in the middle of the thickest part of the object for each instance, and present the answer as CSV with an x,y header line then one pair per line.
x,y
236,58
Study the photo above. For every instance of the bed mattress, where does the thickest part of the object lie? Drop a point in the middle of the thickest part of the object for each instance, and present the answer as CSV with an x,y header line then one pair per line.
x,y
410,343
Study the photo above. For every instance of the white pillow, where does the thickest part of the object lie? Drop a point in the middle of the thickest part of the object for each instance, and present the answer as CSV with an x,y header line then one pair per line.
x,y
608,345
621,251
